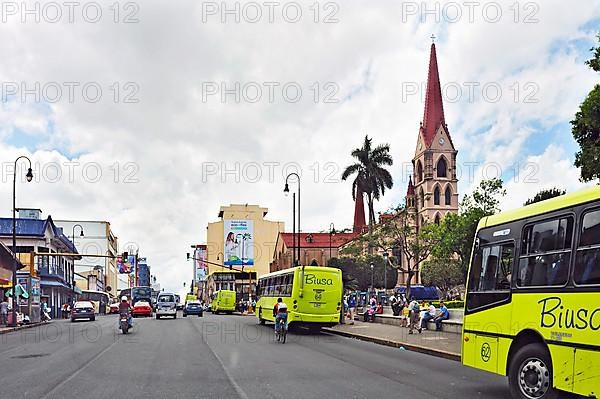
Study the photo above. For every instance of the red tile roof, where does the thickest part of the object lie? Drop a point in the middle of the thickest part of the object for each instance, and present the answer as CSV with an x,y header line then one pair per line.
x,y
319,240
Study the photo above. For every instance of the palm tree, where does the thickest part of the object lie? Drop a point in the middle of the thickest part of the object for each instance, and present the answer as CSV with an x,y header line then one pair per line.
x,y
371,176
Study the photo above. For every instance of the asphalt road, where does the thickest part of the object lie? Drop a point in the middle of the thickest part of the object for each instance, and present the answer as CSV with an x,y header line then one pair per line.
x,y
220,356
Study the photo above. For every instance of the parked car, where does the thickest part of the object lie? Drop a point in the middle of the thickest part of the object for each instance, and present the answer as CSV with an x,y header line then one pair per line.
x,y
166,305
193,308
114,308
142,308
83,310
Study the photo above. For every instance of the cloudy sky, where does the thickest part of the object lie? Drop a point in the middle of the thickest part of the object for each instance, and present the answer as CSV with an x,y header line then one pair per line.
x,y
153,114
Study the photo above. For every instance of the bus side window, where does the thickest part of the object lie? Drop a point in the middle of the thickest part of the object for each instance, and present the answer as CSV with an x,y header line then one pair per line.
x,y
546,253
587,261
290,284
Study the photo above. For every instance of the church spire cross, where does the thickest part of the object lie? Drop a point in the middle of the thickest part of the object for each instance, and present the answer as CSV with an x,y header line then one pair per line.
x,y
433,38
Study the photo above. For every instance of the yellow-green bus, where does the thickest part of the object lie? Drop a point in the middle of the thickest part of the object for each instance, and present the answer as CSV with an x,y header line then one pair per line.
x,y
533,297
223,301
313,295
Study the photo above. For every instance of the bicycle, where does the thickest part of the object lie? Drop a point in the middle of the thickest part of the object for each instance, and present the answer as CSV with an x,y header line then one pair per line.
x,y
281,331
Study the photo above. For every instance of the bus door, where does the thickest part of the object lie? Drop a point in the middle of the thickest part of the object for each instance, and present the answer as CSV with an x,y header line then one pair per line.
x,y
488,288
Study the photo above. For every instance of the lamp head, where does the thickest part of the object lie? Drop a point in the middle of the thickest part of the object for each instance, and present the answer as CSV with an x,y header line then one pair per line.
x,y
81,234
29,175
286,189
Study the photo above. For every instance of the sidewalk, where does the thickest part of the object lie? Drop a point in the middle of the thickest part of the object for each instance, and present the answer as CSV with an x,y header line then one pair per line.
x,y
6,330
441,344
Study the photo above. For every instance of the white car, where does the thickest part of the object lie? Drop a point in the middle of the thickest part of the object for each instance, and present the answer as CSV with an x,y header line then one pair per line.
x,y
166,305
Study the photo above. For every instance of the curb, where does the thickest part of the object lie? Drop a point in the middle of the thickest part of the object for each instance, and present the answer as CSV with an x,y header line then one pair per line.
x,y
13,329
395,344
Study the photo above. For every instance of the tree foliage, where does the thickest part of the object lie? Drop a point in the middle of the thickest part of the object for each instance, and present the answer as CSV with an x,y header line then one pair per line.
x,y
456,232
444,274
400,232
372,177
356,272
543,195
586,128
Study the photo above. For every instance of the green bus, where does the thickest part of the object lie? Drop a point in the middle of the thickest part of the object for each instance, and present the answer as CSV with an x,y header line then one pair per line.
x,y
313,295
223,301
532,310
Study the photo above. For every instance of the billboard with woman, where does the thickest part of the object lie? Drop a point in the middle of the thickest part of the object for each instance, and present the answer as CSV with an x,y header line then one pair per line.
x,y
239,242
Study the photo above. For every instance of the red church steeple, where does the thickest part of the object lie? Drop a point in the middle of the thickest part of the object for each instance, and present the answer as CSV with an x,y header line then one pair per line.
x,y
360,226
434,107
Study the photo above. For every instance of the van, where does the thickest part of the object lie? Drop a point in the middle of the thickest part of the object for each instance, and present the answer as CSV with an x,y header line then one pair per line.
x,y
223,301
166,305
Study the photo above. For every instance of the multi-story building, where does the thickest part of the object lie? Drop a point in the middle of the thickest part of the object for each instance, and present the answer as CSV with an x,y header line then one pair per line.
x,y
242,238
44,236
143,273
97,239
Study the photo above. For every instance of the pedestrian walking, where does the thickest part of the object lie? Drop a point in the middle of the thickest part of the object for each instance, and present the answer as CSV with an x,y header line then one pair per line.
x,y
351,307
3,312
414,311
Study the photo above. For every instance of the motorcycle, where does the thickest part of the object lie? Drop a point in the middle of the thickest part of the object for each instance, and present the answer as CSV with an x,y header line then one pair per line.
x,y
124,323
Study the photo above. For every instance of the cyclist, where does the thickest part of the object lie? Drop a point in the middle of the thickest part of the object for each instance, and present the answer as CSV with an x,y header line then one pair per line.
x,y
280,312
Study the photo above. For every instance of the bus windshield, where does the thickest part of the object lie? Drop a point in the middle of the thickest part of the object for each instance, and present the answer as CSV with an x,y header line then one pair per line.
x,y
144,292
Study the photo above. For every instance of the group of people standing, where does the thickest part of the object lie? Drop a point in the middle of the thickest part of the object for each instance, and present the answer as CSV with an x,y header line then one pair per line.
x,y
418,323
414,322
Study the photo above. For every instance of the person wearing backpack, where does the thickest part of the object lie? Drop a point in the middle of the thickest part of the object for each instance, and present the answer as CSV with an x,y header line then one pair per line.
x,y
414,312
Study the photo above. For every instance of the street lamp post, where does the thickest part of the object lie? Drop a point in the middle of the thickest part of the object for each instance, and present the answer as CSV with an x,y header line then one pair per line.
x,y
287,190
385,264
331,232
29,177
73,266
372,277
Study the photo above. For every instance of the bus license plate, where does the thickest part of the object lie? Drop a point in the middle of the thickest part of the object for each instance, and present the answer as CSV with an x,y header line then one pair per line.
x,y
317,305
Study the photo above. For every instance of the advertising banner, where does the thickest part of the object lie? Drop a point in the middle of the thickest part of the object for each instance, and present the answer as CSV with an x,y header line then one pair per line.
x,y
35,291
126,266
199,263
239,242
23,282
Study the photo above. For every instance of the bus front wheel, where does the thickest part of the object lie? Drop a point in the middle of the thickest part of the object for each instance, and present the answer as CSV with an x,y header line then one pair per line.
x,y
530,373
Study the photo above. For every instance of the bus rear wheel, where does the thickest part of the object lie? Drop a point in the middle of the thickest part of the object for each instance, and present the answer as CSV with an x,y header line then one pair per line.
x,y
260,319
530,373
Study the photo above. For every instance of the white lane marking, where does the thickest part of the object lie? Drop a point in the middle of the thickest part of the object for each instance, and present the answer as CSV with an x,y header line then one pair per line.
x,y
76,373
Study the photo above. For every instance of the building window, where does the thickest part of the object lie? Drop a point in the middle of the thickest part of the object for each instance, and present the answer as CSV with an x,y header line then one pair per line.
x,y
419,176
421,198
448,196
437,219
436,196
442,168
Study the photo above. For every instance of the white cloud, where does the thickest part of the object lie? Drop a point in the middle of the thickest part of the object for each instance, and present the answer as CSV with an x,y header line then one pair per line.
x,y
553,168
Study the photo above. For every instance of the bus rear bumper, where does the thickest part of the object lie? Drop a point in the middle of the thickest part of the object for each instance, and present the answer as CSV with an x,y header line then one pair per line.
x,y
327,320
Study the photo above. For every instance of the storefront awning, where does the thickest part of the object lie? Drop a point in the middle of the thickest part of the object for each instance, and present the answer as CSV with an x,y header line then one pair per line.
x,y
51,283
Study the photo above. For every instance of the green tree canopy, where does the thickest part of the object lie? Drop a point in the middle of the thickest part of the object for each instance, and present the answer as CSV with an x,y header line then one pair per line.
x,y
586,128
455,233
543,195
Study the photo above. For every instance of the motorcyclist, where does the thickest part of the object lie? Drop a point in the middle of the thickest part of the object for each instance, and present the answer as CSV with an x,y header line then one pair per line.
x,y
125,309
280,311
